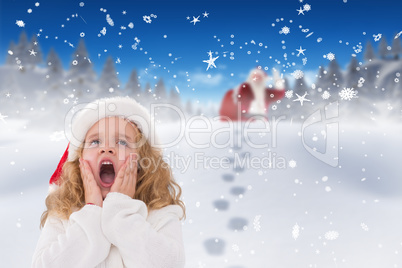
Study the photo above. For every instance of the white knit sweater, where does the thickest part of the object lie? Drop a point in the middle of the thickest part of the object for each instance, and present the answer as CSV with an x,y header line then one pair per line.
x,y
121,234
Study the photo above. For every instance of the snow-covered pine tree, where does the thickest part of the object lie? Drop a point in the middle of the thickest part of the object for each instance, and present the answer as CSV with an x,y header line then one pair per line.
x,y
133,86
189,108
299,111
34,52
160,91
81,69
10,60
174,98
383,48
352,75
321,77
21,51
283,106
300,86
369,52
334,76
148,97
396,48
55,69
108,81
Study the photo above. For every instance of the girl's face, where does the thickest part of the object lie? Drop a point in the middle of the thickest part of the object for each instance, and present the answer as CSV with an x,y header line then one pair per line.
x,y
108,144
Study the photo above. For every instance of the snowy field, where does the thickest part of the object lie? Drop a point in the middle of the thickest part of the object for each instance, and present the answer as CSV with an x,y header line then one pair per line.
x,y
241,211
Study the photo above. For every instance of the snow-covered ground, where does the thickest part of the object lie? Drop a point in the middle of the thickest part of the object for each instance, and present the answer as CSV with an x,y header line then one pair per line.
x,y
298,212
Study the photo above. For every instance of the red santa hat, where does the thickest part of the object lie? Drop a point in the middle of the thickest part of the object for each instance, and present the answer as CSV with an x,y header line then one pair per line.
x,y
91,113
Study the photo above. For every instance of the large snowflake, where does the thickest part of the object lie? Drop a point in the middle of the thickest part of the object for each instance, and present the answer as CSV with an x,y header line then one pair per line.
x,y
298,74
20,23
296,231
289,94
285,30
348,94
307,7
147,19
325,95
330,56
256,223
331,235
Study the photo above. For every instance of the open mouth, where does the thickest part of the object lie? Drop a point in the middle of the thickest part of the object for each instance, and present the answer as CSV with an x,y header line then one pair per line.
x,y
106,173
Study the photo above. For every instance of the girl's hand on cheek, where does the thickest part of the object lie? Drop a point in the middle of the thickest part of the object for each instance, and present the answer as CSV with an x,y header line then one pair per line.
x,y
127,177
92,191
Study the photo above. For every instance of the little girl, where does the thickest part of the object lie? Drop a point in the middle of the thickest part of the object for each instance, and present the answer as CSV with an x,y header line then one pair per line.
x,y
113,200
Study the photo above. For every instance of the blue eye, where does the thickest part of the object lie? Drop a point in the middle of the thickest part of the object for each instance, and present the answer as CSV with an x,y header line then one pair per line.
x,y
94,142
122,142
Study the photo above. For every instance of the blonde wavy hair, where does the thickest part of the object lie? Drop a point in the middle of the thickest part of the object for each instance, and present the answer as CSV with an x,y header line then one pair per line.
x,y
155,185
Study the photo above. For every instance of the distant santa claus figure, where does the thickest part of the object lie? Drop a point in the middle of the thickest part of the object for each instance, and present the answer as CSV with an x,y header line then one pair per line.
x,y
251,98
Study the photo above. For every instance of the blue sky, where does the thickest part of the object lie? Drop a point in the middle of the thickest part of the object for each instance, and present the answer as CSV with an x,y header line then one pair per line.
x,y
173,48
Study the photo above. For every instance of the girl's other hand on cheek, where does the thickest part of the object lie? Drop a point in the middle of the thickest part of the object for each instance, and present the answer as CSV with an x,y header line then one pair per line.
x,y
126,179
92,191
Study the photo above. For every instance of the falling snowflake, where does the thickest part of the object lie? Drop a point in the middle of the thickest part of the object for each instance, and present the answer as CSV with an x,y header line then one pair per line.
x,y
296,231
82,34
32,52
325,95
292,163
358,48
377,37
147,19
57,136
210,61
298,74
289,94
331,235
301,98
103,31
364,227
195,20
82,4
360,82
20,23
330,56
285,30
109,20
306,7
304,61
131,25
348,94
235,248
256,223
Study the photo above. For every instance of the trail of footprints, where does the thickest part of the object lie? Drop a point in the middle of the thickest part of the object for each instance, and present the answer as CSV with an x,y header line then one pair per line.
x,y
216,246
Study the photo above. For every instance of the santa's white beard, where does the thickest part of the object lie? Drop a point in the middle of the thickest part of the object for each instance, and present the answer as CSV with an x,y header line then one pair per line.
x,y
257,106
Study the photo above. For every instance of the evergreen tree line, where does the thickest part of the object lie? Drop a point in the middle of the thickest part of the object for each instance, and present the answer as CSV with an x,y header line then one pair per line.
x,y
83,78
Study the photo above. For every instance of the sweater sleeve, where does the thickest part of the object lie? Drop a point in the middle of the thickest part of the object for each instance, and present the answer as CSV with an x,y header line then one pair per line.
x,y
156,243
80,244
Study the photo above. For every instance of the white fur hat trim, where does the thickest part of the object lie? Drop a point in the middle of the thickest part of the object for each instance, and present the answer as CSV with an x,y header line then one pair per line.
x,y
125,107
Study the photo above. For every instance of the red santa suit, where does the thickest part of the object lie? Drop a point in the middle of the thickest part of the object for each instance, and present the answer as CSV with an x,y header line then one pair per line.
x,y
251,98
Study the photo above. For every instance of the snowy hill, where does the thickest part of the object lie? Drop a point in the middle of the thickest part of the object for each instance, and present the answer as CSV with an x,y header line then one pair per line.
x,y
323,191
296,212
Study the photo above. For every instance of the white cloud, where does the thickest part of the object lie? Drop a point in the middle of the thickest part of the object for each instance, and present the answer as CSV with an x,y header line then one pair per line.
x,y
200,78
